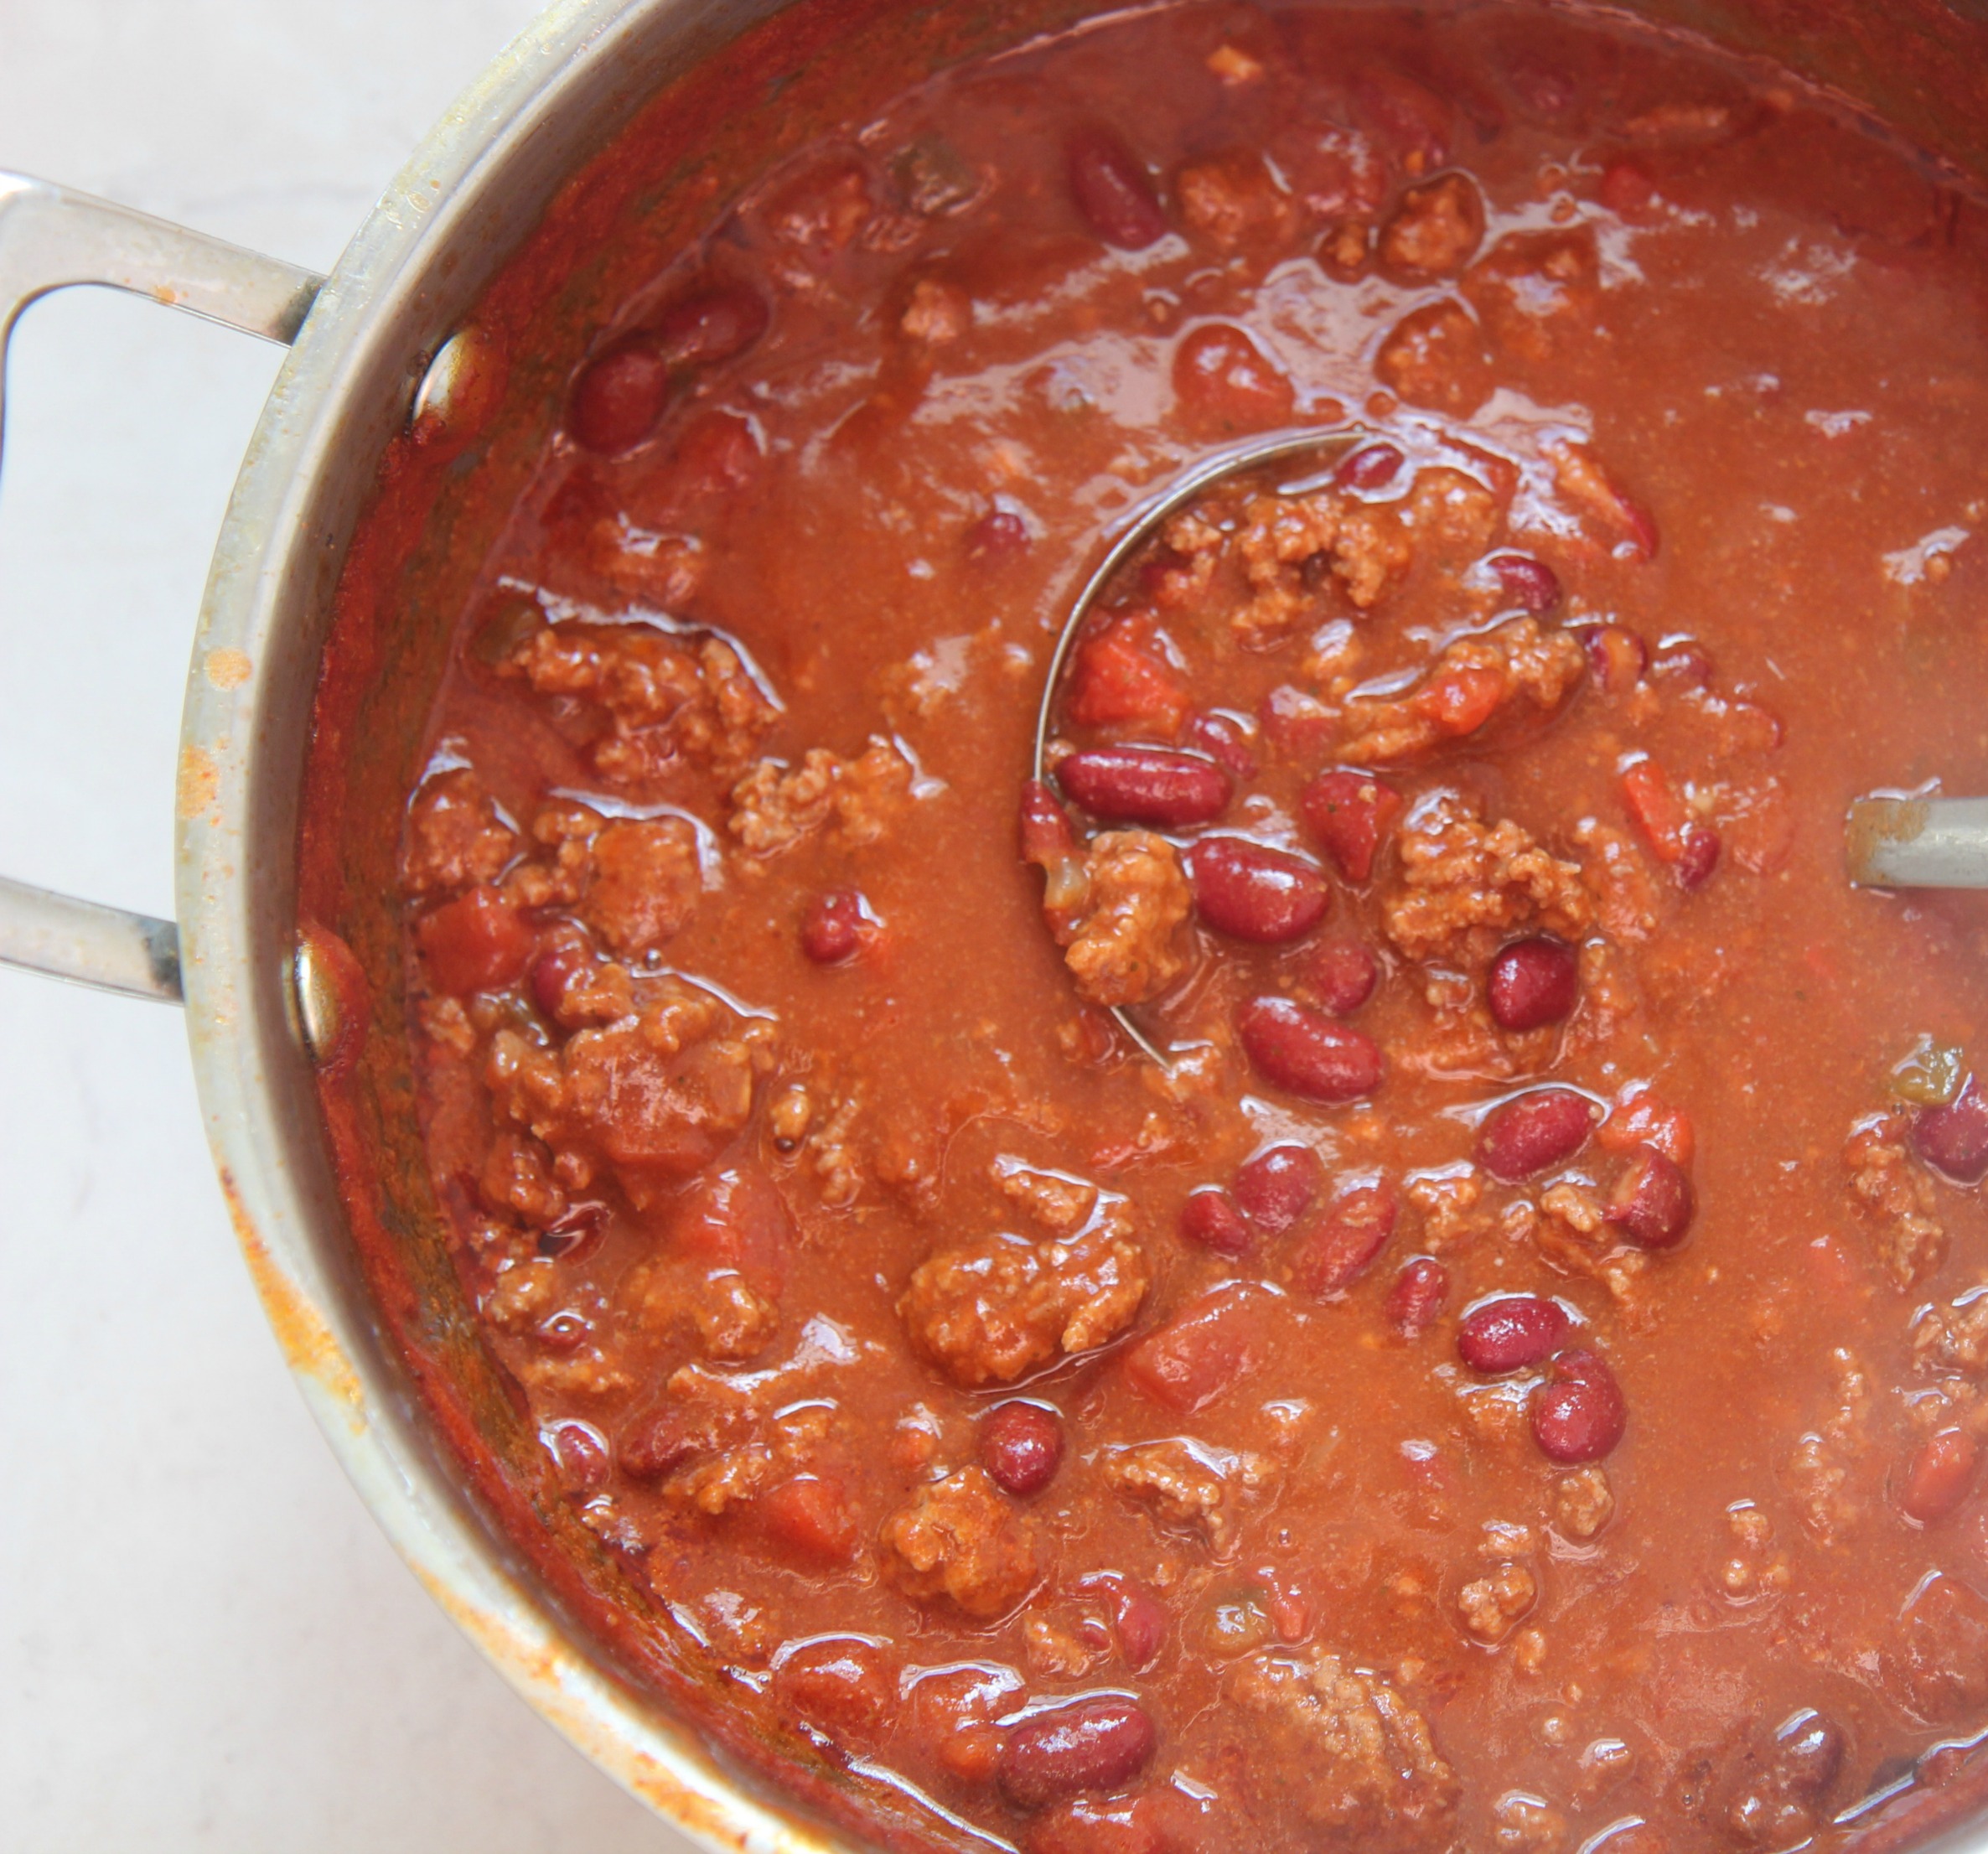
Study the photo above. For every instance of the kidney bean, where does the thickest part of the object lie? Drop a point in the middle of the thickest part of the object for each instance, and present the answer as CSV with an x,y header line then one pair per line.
x,y
1533,981
1529,583
1224,742
1022,1446
1276,1187
1420,1293
1097,1743
475,943
713,325
1209,1221
1221,374
1141,1626
1954,1138
1355,1230
1685,661
1146,785
579,1452
1512,1332
1371,467
1252,893
1342,974
1349,813
1046,833
578,1224
995,538
1808,1752
1939,1475
1307,1054
1616,656
565,1331
1653,1201
1580,1414
1112,189
1526,1135
618,399
562,961
831,926
1698,856
654,1444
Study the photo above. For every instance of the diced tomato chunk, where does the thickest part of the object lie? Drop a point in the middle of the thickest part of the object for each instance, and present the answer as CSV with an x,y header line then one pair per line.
x,y
1349,813
1460,702
1638,1118
1658,810
1121,678
736,1218
1210,1345
475,943
810,1515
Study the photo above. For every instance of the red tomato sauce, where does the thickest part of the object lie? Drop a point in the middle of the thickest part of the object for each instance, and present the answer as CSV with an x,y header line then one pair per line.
x,y
1512,1376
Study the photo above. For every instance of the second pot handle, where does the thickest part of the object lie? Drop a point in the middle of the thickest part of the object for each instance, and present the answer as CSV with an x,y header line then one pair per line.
x,y
52,239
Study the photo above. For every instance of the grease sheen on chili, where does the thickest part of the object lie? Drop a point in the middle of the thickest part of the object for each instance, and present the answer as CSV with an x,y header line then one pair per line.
x,y
1516,1372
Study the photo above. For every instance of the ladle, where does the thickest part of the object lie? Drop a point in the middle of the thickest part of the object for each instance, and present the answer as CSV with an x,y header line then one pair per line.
x,y
1890,841
1144,522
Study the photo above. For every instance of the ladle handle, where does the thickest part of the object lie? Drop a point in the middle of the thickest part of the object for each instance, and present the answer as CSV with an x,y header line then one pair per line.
x,y
54,239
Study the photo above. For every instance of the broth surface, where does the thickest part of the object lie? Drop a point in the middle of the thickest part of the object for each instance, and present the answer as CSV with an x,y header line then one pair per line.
x,y
1462,812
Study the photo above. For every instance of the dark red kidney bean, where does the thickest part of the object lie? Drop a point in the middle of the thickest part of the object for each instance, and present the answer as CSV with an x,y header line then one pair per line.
x,y
1141,1626
1112,189
1145,785
565,1331
1349,813
1939,1477
1354,1231
1685,661
560,964
1616,656
1022,1446
1046,832
1512,1332
580,1455
1341,975
1808,1752
1307,1054
1100,1743
619,398
1224,742
579,1223
1371,467
831,926
1953,1139
999,536
1529,583
1579,1415
1210,1220
1653,1201
1276,1187
652,1445
710,326
1252,893
1526,1135
1533,981
1699,856
1418,1296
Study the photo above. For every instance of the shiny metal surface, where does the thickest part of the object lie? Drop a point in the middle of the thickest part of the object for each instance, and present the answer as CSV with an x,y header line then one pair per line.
x,y
402,292
1919,842
53,238
1143,523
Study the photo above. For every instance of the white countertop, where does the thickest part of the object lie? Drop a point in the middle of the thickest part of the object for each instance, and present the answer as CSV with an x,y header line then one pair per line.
x,y
205,1641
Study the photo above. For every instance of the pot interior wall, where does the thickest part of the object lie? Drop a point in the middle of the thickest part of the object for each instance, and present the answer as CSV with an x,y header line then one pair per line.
x,y
551,221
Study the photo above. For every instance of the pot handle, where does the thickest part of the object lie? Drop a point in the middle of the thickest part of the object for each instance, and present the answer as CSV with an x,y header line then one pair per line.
x,y
52,238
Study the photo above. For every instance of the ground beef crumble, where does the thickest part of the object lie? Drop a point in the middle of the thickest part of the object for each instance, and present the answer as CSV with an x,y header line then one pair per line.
x,y
958,1538
1897,1196
1123,943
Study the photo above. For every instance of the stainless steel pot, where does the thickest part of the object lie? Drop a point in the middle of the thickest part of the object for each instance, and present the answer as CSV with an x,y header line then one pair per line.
x,y
371,343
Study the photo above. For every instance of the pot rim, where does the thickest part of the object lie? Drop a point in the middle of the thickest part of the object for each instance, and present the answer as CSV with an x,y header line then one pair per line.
x,y
271,560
